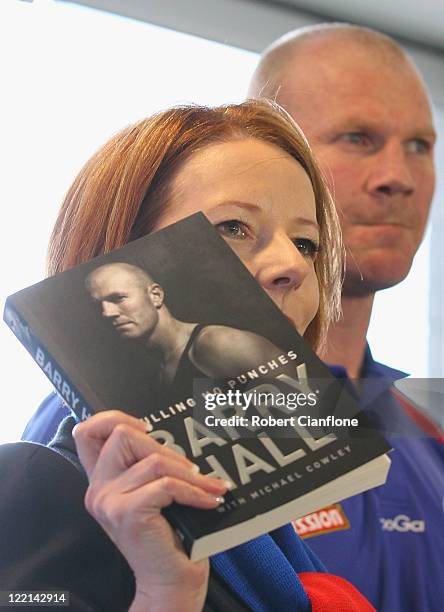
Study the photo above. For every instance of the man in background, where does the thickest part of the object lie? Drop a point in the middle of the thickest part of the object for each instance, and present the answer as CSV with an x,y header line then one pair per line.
x,y
365,111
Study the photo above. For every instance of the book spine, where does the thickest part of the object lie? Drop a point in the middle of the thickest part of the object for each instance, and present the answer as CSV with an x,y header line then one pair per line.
x,y
45,360
174,515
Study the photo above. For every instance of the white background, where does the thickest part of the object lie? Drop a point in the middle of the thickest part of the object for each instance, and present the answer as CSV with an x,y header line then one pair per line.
x,y
70,78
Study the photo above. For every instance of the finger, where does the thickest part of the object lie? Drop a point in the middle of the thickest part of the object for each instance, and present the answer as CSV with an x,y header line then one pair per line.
x,y
91,435
135,511
164,491
158,465
124,447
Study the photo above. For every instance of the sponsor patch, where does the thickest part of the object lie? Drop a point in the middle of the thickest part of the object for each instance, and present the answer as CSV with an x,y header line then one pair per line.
x,y
331,518
402,523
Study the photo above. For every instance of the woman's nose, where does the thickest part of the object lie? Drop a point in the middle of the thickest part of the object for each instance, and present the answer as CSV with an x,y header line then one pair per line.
x,y
280,266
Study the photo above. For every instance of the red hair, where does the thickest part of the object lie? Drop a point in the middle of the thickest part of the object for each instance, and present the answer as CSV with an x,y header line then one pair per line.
x,y
120,192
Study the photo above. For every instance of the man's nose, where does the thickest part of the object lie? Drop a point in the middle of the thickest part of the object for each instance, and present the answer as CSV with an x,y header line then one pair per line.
x,y
280,266
391,175
109,310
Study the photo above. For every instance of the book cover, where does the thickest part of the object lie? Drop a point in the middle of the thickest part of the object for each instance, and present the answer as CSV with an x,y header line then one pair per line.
x,y
173,329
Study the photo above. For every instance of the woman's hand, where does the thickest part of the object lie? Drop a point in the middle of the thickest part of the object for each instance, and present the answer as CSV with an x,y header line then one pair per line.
x,y
131,478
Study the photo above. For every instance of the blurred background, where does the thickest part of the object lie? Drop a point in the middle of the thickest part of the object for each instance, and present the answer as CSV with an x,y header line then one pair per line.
x,y
73,73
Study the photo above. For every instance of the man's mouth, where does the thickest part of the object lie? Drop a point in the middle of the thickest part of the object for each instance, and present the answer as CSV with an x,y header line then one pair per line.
x,y
120,325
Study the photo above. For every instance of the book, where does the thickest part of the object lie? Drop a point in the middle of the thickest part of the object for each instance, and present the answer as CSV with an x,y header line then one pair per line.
x,y
173,329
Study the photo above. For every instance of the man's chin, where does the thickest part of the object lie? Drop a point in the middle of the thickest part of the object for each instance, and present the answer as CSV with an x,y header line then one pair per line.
x,y
126,334
378,270
129,336
369,279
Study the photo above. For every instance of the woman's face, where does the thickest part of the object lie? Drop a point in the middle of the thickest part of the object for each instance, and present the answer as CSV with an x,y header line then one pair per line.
x,y
261,201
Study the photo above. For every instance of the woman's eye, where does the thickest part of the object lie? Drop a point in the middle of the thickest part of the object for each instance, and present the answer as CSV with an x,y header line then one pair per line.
x,y
232,229
306,247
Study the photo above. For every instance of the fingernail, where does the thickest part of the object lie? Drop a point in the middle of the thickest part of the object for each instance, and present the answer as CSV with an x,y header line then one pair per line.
x,y
228,484
219,499
195,468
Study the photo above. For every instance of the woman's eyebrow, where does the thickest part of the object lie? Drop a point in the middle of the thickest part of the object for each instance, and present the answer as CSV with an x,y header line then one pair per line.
x,y
239,204
304,221
256,208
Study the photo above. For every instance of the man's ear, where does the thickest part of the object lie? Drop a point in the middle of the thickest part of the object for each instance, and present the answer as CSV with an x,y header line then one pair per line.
x,y
156,294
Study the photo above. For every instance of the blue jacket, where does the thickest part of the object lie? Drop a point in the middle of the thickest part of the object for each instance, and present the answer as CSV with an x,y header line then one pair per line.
x,y
389,541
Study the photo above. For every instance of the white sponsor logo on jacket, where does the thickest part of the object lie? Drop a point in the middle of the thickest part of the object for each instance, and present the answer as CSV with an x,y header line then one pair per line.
x,y
402,523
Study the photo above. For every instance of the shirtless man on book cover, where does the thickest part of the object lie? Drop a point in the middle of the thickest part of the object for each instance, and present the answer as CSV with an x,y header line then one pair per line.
x,y
133,304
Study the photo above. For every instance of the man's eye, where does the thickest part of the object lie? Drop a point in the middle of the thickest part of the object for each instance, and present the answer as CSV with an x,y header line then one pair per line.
x,y
232,229
306,247
355,138
418,145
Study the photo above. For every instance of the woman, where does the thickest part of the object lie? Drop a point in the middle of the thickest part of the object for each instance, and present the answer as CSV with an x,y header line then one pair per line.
x,y
250,170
